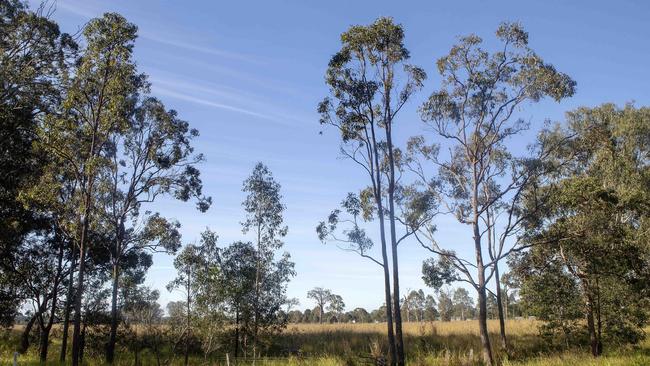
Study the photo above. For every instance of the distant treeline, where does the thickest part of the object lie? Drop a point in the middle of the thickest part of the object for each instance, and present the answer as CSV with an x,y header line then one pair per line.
x,y
447,305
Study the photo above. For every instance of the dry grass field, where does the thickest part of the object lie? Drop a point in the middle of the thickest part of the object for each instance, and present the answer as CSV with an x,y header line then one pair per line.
x,y
432,343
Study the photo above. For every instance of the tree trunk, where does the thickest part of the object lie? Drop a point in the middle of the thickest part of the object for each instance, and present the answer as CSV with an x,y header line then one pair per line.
x,y
82,343
46,328
408,311
24,338
236,334
76,333
482,322
384,254
320,314
399,339
110,347
599,323
591,314
257,287
480,269
591,328
188,321
68,308
482,298
389,310
502,323
44,343
506,304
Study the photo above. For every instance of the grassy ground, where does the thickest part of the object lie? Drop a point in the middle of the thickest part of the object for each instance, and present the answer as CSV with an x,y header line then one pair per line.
x,y
437,343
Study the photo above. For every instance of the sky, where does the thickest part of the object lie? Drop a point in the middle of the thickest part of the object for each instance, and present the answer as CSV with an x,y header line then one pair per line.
x,y
249,74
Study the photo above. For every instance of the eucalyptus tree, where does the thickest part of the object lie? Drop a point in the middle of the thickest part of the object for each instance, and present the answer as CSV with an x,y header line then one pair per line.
x,y
322,297
482,183
95,314
595,262
407,306
414,303
430,311
208,295
187,264
47,254
40,267
238,271
336,306
33,55
364,77
243,301
273,296
445,305
198,278
418,301
551,295
264,209
153,157
360,315
463,303
142,314
51,262
99,100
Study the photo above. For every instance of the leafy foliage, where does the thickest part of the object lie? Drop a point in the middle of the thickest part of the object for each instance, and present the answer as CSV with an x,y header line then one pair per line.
x,y
592,234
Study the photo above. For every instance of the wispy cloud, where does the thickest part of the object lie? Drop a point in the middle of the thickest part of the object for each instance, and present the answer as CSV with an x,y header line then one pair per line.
x,y
159,78
88,11
82,11
183,44
209,103
259,77
225,97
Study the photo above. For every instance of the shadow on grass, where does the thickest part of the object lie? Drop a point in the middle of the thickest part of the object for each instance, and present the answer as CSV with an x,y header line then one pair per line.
x,y
351,345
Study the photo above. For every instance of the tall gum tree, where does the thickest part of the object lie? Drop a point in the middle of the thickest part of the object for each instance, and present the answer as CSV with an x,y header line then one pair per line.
x,y
370,82
153,157
264,209
474,116
99,98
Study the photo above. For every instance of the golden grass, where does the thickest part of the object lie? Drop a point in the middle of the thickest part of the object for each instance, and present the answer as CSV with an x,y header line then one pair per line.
x,y
453,343
467,327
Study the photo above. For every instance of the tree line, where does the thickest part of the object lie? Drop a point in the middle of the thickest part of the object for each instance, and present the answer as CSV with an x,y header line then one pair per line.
x,y
446,305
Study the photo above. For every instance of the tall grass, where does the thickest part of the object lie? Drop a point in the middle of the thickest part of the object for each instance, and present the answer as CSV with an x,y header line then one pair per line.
x,y
432,343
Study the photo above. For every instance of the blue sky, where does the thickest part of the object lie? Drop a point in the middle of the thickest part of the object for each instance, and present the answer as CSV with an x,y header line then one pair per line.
x,y
248,75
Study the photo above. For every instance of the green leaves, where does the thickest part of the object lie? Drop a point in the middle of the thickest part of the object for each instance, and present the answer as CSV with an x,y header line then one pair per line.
x,y
264,208
440,272
512,33
591,230
363,74
480,87
342,225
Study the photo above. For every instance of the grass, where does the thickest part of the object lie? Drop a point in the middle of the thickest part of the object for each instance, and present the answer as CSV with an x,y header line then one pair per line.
x,y
436,343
